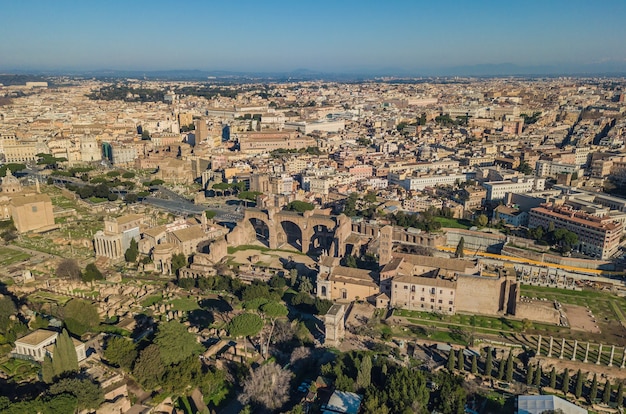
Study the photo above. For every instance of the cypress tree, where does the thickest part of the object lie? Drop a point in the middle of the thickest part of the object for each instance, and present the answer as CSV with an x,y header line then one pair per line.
x,y
565,382
509,367
578,391
64,358
619,398
451,361
538,375
501,365
488,362
529,375
474,365
47,371
553,378
461,361
593,390
364,376
606,395
459,248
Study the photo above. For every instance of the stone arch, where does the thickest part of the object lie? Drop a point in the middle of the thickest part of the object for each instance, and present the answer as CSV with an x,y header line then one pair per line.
x,y
261,229
321,239
292,234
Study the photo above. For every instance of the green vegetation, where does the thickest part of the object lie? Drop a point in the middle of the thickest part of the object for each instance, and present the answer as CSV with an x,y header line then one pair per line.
x,y
151,300
453,223
299,206
9,256
64,357
185,304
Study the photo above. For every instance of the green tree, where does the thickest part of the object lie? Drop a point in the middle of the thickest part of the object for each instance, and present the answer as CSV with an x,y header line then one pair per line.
x,y
91,273
245,324
474,369
210,214
593,389
350,261
461,361
509,367
299,206
488,362
565,382
175,342
606,394
578,389
459,248
364,374
80,316
121,352
149,368
451,360
305,284
553,378
179,261
525,168
529,375
132,252
538,376
481,221
619,397
47,370
88,394
64,358
501,365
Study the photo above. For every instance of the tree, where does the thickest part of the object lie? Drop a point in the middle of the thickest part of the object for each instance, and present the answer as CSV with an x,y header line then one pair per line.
x,y
80,316
481,221
91,273
350,261
268,386
538,375
121,352
364,374
47,370
509,367
178,262
459,248
474,369
461,361
130,255
299,206
64,358
501,365
606,394
68,269
529,375
488,362
578,389
210,214
175,342
149,368
525,168
88,394
619,397
305,284
565,382
593,389
245,324
451,360
553,378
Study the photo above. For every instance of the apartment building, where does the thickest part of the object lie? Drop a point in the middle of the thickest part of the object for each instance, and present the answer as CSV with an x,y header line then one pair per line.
x,y
497,190
597,236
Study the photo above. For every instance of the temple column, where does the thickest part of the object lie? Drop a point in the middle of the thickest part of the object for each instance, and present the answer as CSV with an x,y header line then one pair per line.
x,y
562,348
539,345
550,347
586,353
599,355
574,353
612,354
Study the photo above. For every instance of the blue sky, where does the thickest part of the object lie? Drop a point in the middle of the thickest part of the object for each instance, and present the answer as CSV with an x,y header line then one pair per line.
x,y
318,35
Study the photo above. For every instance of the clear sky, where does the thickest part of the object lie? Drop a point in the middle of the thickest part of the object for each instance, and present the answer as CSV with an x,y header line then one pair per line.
x,y
325,35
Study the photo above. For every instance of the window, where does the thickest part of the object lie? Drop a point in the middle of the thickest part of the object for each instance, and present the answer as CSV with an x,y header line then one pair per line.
x,y
432,301
440,301
450,303
422,299
34,209
405,287
323,290
413,288
440,291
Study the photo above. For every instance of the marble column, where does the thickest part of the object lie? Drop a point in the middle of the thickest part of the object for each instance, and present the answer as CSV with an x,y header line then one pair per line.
x,y
599,354
574,353
539,346
623,359
586,353
612,354
550,347
562,348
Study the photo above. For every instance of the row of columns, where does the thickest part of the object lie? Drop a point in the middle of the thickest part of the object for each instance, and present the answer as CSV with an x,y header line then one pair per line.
x,y
586,359
108,248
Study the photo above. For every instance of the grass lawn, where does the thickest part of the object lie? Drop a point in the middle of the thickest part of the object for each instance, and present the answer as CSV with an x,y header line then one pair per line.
x,y
48,297
263,249
185,304
454,223
151,300
9,256
19,369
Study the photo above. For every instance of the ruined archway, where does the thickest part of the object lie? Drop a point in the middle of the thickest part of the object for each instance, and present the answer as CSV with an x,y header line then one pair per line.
x,y
262,231
292,234
321,239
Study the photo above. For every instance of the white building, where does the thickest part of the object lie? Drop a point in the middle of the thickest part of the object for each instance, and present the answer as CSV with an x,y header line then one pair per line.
x,y
38,344
497,190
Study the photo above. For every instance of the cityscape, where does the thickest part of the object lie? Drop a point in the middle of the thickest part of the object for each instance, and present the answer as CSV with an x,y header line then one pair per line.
x,y
266,219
